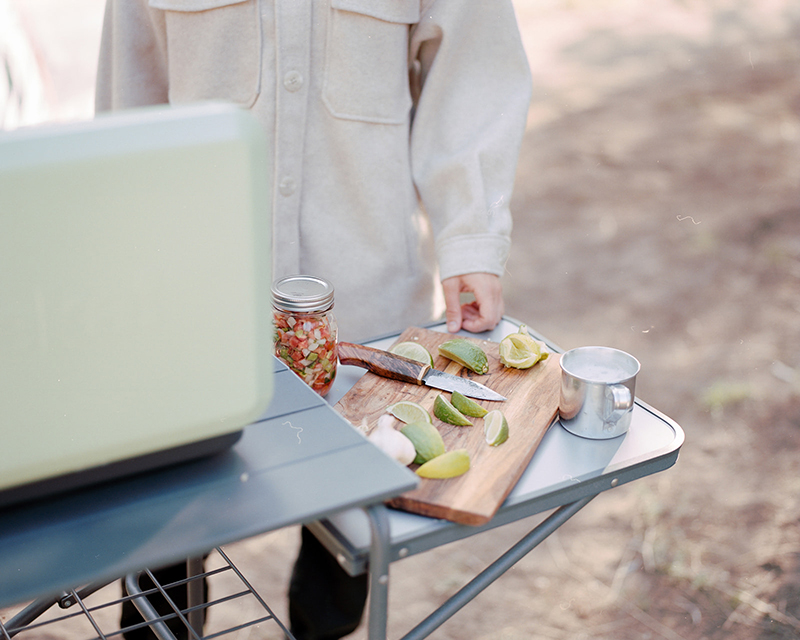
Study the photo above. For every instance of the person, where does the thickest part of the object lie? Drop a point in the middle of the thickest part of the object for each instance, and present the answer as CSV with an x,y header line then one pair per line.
x,y
22,88
395,126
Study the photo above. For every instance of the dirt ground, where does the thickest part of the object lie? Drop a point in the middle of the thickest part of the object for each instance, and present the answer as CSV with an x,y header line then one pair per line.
x,y
657,210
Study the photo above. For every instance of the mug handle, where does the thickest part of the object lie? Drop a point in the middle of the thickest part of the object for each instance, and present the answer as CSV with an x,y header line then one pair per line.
x,y
618,401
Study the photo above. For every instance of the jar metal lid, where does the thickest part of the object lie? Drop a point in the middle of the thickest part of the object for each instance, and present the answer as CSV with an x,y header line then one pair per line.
x,y
303,294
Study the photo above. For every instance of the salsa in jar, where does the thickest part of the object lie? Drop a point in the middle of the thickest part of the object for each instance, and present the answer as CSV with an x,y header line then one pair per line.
x,y
305,329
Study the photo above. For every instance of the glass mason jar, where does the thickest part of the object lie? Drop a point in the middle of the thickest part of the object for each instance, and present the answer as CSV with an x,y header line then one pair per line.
x,y
305,329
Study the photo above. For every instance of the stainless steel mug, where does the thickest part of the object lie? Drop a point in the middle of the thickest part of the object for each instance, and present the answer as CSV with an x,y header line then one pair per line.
x,y
597,391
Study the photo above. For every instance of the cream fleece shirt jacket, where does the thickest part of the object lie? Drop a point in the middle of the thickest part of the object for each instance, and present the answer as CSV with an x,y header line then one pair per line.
x,y
396,127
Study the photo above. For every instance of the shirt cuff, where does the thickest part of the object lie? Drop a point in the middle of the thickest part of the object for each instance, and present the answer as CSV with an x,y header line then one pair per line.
x,y
484,253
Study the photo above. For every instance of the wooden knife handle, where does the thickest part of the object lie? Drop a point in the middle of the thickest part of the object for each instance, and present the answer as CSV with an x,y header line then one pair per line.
x,y
382,363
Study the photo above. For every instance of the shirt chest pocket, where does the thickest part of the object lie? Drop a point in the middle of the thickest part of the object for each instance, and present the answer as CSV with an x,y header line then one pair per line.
x,y
213,49
366,59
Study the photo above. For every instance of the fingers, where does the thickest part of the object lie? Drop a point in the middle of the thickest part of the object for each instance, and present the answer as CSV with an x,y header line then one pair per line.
x,y
452,300
480,315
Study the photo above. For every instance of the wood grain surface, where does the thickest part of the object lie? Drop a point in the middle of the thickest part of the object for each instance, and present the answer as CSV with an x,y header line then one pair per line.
x,y
531,405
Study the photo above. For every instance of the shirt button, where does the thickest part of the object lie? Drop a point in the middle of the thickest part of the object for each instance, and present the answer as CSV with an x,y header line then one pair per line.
x,y
293,80
287,186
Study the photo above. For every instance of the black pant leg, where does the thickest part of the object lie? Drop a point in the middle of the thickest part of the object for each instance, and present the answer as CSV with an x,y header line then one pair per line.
x,y
325,602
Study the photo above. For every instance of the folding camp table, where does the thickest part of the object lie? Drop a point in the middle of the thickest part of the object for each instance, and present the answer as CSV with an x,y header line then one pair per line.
x,y
566,472
301,462
304,464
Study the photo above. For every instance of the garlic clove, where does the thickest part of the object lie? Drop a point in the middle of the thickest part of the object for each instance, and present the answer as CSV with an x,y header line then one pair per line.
x,y
393,443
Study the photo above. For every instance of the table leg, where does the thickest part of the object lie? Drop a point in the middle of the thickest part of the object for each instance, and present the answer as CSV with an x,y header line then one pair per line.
x,y
195,598
378,571
30,613
495,570
27,616
147,610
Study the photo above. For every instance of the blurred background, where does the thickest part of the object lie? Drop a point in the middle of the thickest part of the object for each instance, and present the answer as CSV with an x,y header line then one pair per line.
x,y
657,210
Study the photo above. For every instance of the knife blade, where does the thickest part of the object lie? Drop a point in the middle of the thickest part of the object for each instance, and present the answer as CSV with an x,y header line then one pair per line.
x,y
389,365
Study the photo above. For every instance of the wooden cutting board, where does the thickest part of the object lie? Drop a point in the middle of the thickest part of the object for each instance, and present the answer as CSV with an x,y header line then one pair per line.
x,y
531,405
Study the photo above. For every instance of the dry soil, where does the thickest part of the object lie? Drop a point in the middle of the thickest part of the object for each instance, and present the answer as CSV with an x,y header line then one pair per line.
x,y
657,210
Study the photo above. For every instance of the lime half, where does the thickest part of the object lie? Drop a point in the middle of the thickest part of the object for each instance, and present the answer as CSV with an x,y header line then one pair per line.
x,y
446,412
495,428
413,351
467,406
520,351
448,465
408,412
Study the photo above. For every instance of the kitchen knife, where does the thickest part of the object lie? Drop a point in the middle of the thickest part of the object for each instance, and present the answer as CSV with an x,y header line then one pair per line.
x,y
389,365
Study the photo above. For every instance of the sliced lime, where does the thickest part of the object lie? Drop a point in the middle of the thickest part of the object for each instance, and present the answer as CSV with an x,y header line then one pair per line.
x,y
467,406
495,428
446,412
448,465
413,351
427,440
520,351
407,411
465,353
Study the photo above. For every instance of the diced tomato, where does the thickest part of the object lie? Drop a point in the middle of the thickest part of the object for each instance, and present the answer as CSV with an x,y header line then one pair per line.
x,y
307,344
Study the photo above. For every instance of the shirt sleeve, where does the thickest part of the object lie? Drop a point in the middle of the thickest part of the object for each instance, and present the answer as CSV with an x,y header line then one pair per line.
x,y
132,65
472,88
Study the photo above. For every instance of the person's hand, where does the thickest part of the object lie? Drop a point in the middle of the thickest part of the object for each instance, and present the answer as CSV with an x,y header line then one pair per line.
x,y
479,315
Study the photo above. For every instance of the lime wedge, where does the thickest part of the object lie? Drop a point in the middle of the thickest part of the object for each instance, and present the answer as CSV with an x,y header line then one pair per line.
x,y
495,428
413,351
426,439
465,353
407,411
467,406
448,465
446,412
